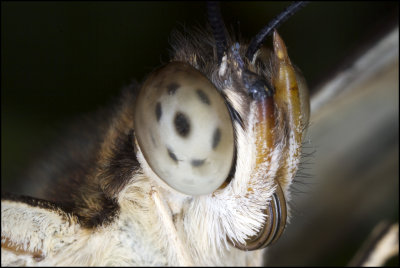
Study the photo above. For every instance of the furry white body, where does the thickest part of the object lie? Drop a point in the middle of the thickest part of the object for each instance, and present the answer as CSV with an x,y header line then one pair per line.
x,y
137,237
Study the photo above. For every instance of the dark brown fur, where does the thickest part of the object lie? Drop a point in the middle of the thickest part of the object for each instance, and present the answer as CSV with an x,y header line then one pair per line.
x,y
90,165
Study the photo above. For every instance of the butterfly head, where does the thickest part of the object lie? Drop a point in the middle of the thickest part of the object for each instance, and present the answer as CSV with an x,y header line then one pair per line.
x,y
223,121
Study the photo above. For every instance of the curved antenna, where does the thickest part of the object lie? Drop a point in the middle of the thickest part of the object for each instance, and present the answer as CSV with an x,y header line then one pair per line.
x,y
218,28
257,41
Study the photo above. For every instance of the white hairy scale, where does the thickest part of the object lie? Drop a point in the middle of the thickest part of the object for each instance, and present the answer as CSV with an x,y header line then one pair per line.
x,y
197,162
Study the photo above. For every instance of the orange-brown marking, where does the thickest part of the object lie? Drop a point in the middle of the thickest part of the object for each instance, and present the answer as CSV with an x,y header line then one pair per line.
x,y
6,244
288,101
264,130
287,91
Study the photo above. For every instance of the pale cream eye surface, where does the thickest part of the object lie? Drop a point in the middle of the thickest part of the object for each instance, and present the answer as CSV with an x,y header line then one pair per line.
x,y
184,129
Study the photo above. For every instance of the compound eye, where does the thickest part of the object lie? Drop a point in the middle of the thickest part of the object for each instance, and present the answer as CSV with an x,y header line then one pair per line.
x,y
184,129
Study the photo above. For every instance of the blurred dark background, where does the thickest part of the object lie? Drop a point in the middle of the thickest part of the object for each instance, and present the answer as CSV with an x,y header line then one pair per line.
x,y
61,60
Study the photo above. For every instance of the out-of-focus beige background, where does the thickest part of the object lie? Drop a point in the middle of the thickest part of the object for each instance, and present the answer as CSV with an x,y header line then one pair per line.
x,y
63,60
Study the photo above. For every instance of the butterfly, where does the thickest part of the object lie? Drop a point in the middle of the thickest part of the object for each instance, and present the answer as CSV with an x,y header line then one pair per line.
x,y
290,47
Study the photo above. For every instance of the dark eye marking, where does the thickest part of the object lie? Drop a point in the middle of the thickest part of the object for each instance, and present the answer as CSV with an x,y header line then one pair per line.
x,y
172,155
197,162
216,138
158,111
203,97
182,124
172,88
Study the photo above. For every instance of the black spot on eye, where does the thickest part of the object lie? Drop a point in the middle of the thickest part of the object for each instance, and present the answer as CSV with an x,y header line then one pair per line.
x,y
203,97
172,88
216,138
172,155
197,162
158,111
182,124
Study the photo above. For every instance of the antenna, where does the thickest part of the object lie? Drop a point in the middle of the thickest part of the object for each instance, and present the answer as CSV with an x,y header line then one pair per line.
x,y
218,28
257,41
